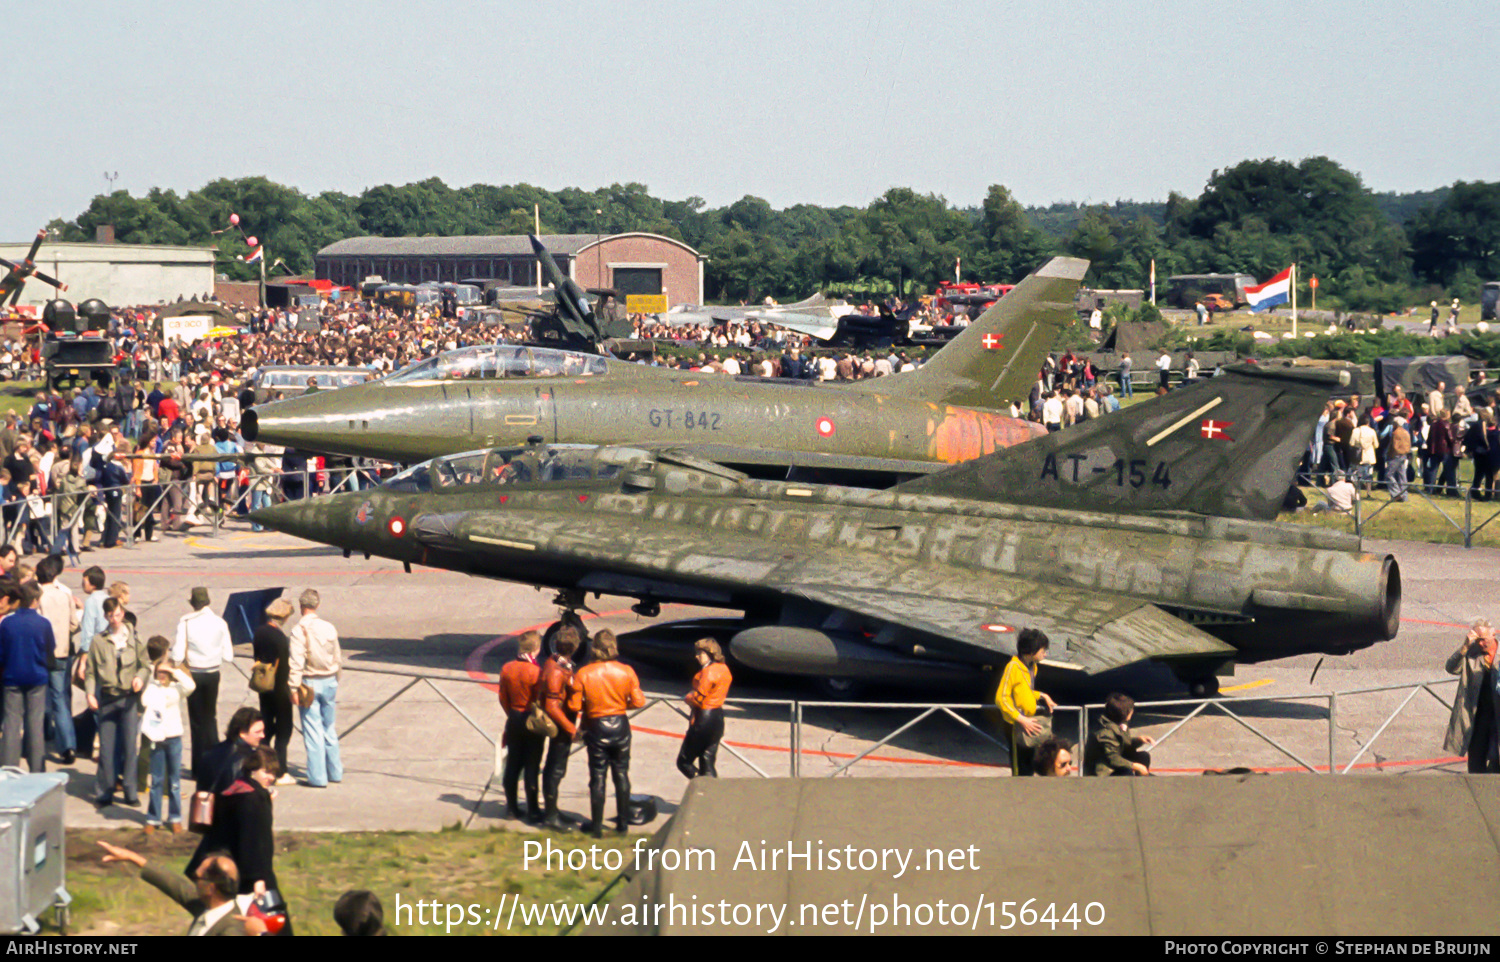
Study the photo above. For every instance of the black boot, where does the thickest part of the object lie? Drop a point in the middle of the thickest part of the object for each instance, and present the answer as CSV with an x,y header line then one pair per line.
x,y
596,826
511,809
622,814
550,819
533,812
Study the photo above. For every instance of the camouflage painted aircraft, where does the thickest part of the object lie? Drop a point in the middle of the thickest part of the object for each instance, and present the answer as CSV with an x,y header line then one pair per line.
x,y
906,424
1149,534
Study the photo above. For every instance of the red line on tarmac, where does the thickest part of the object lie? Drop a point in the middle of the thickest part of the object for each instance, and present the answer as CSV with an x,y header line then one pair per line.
x,y
1441,624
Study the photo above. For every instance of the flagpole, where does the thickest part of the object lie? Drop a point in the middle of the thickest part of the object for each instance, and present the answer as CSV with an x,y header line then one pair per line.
x,y
1294,300
1153,282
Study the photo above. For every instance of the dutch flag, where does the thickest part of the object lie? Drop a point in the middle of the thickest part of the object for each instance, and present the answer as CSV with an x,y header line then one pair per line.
x,y
1277,290
256,255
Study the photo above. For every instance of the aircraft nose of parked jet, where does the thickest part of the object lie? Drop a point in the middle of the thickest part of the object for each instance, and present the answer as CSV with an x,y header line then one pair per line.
x,y
302,519
300,422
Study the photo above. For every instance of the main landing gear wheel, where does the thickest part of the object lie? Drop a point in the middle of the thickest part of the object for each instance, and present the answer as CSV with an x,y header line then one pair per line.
x,y
1204,687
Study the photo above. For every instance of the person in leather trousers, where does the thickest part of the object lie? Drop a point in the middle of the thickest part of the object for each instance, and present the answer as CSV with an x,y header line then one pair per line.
x,y
700,746
523,749
604,690
552,689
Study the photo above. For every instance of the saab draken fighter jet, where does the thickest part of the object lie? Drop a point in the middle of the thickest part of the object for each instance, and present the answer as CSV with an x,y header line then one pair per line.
x,y
903,425
1147,534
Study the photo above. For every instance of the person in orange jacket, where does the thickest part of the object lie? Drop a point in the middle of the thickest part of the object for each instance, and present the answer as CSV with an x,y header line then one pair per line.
x,y
523,749
552,690
700,746
604,690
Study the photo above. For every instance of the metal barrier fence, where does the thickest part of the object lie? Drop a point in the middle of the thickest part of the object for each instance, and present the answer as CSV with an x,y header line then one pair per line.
x,y
1233,709
50,519
1467,525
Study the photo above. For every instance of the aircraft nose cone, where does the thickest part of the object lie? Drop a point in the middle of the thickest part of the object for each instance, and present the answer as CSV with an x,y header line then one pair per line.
x,y
302,519
303,422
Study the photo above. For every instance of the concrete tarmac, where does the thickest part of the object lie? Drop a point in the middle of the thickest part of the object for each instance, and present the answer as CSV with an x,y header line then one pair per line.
x,y
435,641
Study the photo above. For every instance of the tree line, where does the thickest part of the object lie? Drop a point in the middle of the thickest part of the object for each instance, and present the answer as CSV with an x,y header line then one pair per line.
x,y
1375,252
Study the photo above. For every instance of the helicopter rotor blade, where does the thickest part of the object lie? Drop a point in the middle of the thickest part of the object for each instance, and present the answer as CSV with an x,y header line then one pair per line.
x,y
36,244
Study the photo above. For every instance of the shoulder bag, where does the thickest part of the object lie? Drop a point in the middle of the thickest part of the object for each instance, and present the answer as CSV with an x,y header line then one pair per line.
x,y
263,676
201,812
538,722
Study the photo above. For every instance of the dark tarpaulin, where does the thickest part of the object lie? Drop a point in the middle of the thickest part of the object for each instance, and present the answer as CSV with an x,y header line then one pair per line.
x,y
1419,375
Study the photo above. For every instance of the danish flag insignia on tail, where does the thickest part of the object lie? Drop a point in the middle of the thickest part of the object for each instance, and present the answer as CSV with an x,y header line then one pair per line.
x,y
1216,429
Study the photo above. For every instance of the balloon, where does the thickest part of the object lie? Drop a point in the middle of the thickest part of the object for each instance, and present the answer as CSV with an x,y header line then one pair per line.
x,y
234,219
251,241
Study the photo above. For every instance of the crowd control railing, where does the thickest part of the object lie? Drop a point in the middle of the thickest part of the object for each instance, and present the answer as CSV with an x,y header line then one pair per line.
x,y
989,751
42,521
1477,513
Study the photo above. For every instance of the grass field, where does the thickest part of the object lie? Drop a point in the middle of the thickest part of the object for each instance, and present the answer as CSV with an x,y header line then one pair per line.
x,y
314,869
18,396
1435,519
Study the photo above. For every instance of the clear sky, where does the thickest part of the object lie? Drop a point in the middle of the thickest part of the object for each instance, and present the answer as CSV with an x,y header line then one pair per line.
x,y
823,101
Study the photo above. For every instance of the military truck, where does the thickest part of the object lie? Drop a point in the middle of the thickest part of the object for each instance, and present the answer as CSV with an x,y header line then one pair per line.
x,y
75,351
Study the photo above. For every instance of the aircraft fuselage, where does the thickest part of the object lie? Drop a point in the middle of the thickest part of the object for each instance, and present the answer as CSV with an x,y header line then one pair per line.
x,y
422,418
669,532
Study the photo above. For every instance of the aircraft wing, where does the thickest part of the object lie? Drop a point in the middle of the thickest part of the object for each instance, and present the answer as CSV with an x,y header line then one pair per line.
x,y
822,328
1090,631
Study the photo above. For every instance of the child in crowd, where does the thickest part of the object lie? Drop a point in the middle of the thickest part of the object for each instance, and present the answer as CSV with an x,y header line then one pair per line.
x,y
161,726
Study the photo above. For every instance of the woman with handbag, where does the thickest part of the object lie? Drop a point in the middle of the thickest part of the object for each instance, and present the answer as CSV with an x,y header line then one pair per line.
x,y
271,678
242,827
1017,699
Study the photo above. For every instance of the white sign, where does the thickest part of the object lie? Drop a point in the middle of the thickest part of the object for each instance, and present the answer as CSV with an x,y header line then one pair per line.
x,y
188,328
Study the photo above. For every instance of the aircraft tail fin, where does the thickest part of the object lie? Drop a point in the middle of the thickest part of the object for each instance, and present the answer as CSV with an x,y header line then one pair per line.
x,y
1228,446
571,301
999,356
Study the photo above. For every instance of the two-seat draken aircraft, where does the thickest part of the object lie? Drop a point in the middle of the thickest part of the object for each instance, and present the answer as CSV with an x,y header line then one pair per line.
x,y
1145,535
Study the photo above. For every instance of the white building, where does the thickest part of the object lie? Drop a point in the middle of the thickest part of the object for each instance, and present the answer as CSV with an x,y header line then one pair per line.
x,y
120,275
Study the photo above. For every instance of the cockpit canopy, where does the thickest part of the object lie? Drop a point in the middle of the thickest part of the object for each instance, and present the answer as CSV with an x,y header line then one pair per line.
x,y
499,467
487,361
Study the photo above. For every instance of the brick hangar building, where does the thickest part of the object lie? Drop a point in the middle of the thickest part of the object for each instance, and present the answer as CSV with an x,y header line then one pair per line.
x,y
633,263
